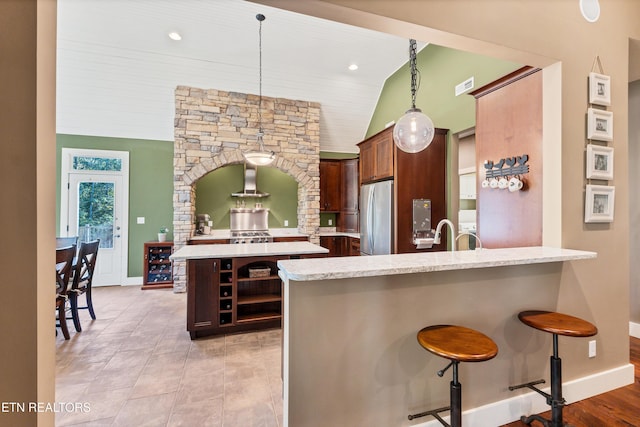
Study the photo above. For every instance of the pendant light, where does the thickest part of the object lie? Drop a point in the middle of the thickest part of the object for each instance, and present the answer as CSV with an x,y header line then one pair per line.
x,y
261,157
414,131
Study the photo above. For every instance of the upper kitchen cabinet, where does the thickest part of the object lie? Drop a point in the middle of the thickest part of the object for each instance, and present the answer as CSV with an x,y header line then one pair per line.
x,y
330,179
376,157
339,191
349,189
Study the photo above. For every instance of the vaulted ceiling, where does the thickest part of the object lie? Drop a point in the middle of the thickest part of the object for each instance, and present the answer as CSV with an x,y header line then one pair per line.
x,y
118,69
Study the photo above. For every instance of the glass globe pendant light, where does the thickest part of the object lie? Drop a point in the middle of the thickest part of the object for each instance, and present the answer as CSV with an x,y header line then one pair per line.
x,y
260,157
414,131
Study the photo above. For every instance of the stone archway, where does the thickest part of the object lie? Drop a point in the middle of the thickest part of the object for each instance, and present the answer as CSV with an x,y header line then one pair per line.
x,y
213,128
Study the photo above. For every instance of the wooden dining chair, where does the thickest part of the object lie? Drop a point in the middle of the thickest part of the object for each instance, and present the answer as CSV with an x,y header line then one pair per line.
x,y
64,270
82,280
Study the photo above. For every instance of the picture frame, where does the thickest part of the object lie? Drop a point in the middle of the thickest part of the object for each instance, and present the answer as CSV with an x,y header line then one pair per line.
x,y
599,203
599,89
599,125
599,162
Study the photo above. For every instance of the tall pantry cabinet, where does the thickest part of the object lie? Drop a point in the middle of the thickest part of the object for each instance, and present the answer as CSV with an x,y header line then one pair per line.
x,y
421,175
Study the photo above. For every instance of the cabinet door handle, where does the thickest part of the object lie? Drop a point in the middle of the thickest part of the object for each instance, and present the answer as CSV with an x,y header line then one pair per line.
x,y
215,266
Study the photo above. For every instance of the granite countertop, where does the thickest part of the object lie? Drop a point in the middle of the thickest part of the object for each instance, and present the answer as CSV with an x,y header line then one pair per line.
x,y
246,250
276,232
324,233
382,265
226,234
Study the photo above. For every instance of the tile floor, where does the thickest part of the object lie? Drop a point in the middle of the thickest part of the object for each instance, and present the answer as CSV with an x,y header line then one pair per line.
x,y
136,366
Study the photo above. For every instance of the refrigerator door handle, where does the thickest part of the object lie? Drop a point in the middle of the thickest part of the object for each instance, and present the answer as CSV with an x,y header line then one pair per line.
x,y
370,219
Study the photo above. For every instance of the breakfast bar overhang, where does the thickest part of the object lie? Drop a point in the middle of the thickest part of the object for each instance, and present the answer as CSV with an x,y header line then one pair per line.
x,y
350,354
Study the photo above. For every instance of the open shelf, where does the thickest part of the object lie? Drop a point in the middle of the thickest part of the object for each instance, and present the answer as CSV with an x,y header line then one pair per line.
x,y
257,317
257,299
252,279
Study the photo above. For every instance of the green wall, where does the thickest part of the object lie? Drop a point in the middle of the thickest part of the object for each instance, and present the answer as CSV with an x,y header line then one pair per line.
x,y
213,195
150,187
441,69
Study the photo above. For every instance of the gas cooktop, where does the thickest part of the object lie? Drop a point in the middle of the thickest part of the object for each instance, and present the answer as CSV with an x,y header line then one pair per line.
x,y
251,236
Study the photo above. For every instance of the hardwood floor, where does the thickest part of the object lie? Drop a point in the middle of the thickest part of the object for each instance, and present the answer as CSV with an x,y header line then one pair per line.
x,y
617,408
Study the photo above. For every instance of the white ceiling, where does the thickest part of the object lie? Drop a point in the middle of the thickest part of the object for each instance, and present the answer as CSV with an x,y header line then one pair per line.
x,y
118,69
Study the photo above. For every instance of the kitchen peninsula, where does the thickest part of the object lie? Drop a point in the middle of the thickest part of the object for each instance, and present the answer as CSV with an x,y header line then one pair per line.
x,y
235,287
350,354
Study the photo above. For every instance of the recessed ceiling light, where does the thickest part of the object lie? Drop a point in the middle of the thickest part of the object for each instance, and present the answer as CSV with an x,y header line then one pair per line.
x,y
175,36
353,67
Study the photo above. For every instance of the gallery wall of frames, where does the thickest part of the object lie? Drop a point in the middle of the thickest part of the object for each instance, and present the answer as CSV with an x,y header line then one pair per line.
x,y
599,195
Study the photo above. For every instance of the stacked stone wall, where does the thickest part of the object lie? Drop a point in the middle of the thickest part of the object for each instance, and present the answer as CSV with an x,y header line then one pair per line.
x,y
213,128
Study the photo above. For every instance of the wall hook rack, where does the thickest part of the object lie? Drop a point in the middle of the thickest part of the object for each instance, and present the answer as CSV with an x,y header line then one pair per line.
x,y
515,166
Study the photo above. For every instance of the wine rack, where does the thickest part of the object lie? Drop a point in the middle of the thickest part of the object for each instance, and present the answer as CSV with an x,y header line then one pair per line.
x,y
158,269
225,313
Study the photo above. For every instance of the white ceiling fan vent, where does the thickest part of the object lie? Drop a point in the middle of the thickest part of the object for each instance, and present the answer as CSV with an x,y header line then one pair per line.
x,y
465,86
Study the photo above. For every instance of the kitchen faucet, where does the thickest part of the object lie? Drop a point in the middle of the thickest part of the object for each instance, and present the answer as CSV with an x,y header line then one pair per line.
x,y
436,239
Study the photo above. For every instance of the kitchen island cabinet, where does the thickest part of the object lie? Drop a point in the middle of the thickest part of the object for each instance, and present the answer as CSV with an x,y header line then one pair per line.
x,y
235,288
350,328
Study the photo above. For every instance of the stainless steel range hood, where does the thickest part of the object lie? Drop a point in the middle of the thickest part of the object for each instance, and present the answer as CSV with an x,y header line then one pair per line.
x,y
250,188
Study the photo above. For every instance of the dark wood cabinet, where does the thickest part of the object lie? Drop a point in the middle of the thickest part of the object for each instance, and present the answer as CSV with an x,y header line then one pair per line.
x,y
208,242
335,244
330,178
157,268
291,239
348,221
341,245
349,193
203,296
419,175
339,191
354,246
377,157
349,185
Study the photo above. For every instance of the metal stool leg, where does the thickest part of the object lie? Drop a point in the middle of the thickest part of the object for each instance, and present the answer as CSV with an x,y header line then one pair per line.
x,y
555,399
456,398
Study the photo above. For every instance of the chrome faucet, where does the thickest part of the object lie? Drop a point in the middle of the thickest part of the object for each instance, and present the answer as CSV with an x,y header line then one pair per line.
x,y
436,239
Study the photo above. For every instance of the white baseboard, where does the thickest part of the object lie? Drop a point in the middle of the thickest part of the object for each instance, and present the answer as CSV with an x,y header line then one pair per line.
x,y
133,281
509,410
634,329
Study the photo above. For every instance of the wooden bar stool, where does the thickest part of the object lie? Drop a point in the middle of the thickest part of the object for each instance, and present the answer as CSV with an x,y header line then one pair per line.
x,y
556,324
458,344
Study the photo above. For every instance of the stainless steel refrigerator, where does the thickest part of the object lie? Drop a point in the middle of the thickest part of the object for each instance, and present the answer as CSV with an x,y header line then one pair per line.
x,y
376,218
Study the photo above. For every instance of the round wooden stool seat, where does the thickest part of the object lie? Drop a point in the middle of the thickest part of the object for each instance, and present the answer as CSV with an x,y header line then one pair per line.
x,y
457,343
557,323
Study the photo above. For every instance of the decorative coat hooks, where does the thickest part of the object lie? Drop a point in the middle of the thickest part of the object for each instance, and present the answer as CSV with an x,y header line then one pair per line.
x,y
509,177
